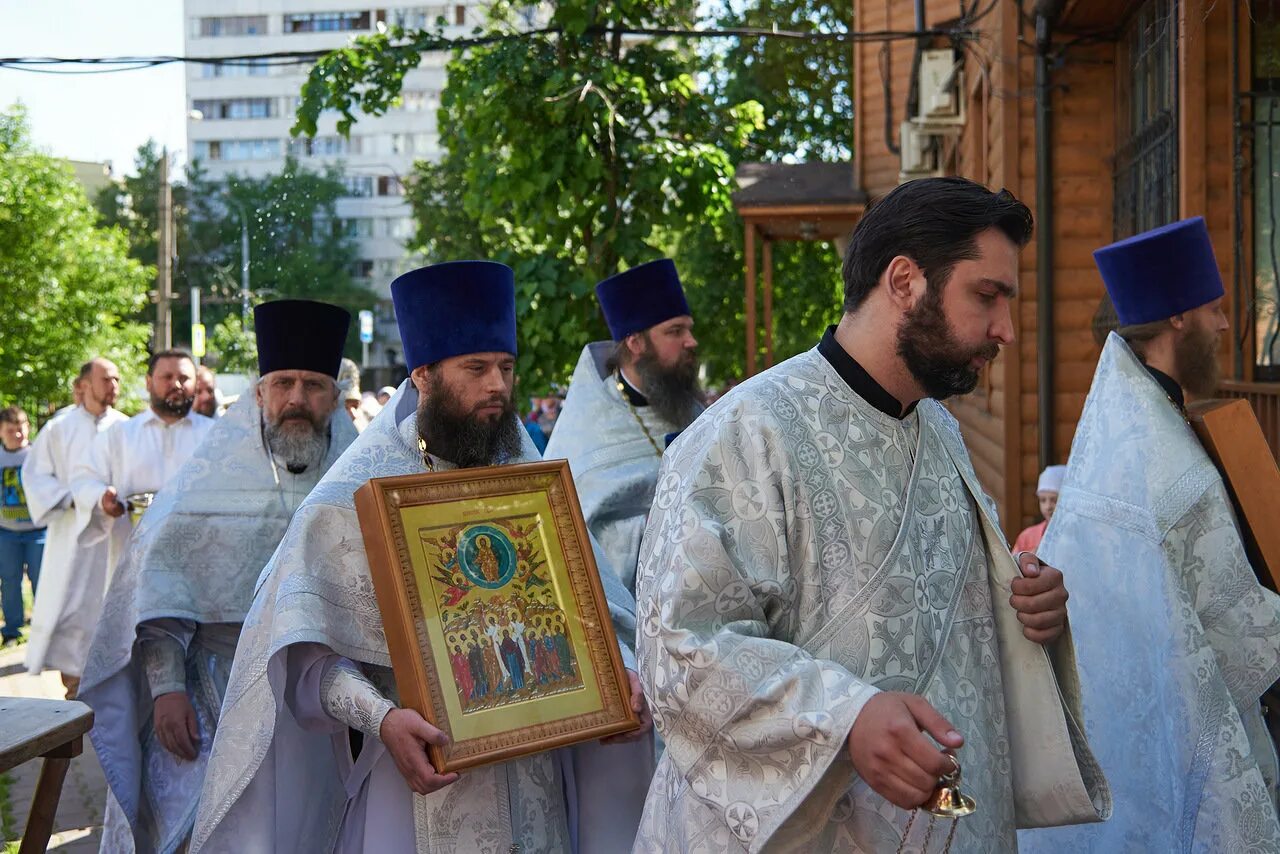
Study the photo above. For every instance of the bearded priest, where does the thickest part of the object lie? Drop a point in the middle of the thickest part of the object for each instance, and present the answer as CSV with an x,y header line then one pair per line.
x,y
1177,639
831,620
313,752
628,399
160,660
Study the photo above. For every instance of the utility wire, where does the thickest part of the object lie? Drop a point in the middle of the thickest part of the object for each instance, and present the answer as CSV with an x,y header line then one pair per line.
x,y
104,65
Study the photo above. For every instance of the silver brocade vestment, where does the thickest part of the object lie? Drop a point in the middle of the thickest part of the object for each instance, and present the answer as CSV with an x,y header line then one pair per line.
x,y
614,463
805,551
1176,639
190,567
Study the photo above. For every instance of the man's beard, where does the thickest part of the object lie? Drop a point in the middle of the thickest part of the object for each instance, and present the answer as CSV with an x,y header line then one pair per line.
x,y
463,438
673,392
1195,359
938,362
104,400
298,438
173,405
209,408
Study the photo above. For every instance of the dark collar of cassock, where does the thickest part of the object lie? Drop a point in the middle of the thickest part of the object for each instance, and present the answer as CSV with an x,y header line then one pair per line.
x,y
857,378
1169,385
631,392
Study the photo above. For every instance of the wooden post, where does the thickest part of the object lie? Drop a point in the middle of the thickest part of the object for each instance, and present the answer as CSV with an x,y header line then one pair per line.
x,y
1192,168
750,246
768,302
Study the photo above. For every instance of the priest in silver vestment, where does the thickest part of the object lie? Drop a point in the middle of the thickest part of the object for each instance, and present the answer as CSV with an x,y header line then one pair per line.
x,y
628,400
1177,640
830,618
161,657
313,752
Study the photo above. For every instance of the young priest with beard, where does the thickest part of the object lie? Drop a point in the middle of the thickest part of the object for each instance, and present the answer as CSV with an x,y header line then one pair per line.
x,y
1177,640
628,399
828,607
313,665
160,660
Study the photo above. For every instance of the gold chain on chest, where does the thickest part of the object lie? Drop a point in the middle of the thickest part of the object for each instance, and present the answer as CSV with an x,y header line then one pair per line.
x,y
426,458
622,391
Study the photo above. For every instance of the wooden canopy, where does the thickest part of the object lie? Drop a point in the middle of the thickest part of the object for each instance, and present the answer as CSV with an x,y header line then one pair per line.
x,y
790,201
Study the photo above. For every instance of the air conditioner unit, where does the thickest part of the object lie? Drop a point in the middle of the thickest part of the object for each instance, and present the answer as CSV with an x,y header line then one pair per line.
x,y
917,153
940,91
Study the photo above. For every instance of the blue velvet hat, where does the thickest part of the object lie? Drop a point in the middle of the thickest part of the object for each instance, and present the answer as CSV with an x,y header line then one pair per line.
x,y
455,308
641,297
1160,273
300,335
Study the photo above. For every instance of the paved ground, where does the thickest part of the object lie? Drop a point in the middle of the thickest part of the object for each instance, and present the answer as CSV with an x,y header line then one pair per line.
x,y
78,828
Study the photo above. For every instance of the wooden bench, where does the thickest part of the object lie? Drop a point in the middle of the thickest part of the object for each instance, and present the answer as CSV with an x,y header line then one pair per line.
x,y
52,730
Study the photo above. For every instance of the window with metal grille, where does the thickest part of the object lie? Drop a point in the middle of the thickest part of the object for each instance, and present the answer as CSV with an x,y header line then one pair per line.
x,y
1146,165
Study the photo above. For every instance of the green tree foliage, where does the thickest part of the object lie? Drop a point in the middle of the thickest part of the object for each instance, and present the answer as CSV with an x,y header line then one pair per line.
x,y
569,156
232,346
297,246
577,152
805,92
68,288
133,204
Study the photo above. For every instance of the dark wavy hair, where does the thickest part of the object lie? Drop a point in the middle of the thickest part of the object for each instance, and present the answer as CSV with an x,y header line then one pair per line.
x,y
934,222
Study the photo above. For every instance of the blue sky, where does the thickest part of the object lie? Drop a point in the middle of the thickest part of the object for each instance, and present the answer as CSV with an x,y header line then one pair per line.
x,y
97,116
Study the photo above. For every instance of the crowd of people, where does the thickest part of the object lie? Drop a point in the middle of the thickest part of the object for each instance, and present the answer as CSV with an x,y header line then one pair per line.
x,y
820,618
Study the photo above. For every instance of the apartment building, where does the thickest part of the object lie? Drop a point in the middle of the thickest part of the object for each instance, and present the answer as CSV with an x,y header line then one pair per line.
x,y
240,115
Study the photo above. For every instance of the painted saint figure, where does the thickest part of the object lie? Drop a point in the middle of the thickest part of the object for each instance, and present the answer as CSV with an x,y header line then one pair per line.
x,y
479,676
492,668
487,560
549,657
563,652
514,660
461,672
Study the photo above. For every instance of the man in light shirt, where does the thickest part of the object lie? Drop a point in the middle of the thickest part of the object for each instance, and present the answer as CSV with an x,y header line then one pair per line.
x,y
135,458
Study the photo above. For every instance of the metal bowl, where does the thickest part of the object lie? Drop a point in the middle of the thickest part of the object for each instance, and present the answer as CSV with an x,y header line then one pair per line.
x,y
137,504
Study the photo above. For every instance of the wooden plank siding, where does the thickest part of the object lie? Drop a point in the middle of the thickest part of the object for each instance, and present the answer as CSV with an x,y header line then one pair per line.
x,y
997,147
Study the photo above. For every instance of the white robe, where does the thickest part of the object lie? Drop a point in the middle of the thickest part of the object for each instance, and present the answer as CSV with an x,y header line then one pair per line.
x,y
276,783
1176,639
806,551
139,455
61,625
188,574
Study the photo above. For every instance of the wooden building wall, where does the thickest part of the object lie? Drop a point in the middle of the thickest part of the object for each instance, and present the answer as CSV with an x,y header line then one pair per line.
x,y
986,151
1083,140
997,147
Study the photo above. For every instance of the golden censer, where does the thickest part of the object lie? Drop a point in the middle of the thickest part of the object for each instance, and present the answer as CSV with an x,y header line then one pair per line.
x,y
947,801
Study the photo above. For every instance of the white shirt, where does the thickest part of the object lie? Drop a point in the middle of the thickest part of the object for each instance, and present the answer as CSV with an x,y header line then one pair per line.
x,y
141,454
68,437
138,455
72,578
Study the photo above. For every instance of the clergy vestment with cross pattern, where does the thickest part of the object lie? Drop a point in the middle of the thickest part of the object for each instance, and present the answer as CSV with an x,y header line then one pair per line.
x,y
806,550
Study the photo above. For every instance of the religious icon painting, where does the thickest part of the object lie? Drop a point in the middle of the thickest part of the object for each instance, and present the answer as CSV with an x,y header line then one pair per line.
x,y
495,616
